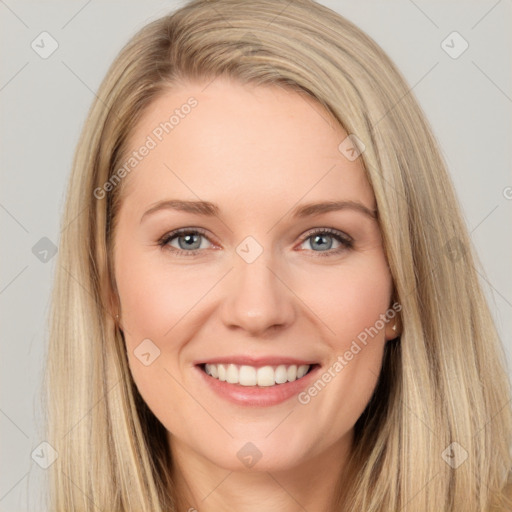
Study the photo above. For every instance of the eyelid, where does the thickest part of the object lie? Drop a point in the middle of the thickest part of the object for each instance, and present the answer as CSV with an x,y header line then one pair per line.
x,y
331,231
178,231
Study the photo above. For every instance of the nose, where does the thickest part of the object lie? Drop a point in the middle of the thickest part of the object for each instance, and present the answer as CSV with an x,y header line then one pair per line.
x,y
257,299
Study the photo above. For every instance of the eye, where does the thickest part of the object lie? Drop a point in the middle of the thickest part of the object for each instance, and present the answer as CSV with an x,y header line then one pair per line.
x,y
321,241
191,241
184,241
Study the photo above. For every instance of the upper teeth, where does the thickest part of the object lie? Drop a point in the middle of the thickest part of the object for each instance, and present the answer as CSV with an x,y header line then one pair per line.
x,y
252,376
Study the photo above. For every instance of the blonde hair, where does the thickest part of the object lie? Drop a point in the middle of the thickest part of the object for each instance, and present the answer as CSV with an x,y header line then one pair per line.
x,y
443,381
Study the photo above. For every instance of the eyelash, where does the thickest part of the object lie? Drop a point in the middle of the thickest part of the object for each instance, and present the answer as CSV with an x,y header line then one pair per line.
x,y
346,241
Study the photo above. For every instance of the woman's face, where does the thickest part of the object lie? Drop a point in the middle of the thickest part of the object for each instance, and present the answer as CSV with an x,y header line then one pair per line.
x,y
252,287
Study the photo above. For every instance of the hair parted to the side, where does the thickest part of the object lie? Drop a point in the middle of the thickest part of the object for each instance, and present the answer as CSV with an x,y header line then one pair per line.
x,y
444,380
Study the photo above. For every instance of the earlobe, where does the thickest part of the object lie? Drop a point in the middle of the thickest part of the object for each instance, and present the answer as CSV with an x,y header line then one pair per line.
x,y
114,308
393,329
117,321
394,324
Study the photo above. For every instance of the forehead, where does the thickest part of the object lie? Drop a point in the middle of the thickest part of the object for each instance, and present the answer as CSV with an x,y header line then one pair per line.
x,y
222,139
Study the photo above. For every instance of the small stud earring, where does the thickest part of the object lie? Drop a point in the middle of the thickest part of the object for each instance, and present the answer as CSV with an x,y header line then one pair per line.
x,y
394,327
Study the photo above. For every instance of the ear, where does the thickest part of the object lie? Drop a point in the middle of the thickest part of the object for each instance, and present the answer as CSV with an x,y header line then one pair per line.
x,y
111,301
393,328
115,308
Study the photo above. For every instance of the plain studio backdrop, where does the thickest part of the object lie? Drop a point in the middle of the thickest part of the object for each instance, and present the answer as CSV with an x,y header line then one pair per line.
x,y
455,56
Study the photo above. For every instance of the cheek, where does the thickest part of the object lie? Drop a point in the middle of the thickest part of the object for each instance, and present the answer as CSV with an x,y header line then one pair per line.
x,y
152,303
351,299
352,302
153,299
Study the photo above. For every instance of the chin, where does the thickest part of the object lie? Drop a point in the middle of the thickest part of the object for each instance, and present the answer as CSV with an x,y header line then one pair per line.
x,y
256,454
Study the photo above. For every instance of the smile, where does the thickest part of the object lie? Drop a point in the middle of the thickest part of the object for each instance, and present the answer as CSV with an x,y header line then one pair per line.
x,y
263,376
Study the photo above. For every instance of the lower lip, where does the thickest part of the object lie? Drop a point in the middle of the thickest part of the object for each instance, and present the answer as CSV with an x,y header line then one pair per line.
x,y
254,395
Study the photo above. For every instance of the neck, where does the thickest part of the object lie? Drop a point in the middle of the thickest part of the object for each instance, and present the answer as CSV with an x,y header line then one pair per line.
x,y
202,486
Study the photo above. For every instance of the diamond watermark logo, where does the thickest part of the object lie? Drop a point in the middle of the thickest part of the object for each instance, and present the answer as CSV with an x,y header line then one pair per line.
x,y
44,45
455,249
44,455
44,250
249,249
351,147
454,455
249,455
146,352
250,44
454,45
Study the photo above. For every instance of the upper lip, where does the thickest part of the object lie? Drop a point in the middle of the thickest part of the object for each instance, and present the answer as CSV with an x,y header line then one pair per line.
x,y
256,361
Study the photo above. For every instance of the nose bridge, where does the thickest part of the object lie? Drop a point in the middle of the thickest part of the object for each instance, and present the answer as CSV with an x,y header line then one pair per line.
x,y
256,298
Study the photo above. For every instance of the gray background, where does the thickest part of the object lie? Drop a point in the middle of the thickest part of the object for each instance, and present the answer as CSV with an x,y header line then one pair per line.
x,y
44,102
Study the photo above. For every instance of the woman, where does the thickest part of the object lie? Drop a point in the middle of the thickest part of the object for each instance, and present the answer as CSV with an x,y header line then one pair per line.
x,y
206,352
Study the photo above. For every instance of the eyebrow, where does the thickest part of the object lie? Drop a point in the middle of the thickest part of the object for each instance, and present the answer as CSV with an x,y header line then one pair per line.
x,y
209,209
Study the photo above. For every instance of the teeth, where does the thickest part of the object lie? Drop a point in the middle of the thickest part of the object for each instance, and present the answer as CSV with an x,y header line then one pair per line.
x,y
263,376
301,371
292,373
266,376
281,374
232,374
248,375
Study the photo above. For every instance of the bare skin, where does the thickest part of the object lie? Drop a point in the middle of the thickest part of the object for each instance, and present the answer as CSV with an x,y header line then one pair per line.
x,y
258,153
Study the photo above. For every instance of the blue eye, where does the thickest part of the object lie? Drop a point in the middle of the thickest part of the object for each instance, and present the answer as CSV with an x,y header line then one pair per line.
x,y
323,239
190,241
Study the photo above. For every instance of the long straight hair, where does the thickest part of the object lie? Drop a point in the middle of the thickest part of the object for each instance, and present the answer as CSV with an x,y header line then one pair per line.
x,y
443,381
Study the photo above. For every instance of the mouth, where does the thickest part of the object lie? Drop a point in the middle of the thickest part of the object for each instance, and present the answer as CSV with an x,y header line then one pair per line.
x,y
258,383
257,376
